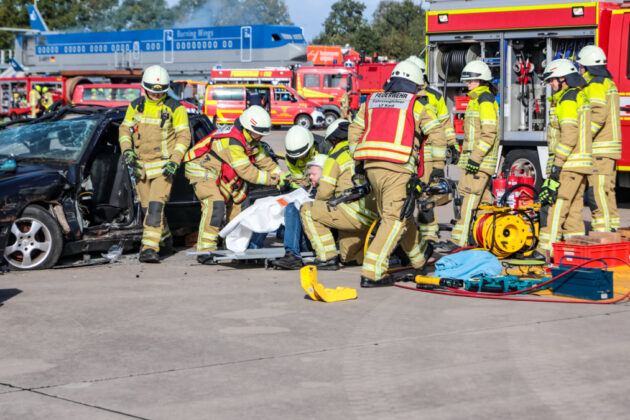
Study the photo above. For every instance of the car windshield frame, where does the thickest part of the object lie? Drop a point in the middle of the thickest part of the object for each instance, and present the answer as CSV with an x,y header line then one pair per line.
x,y
63,140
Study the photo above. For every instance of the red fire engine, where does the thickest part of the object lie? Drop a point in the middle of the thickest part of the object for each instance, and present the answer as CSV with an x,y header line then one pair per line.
x,y
324,85
517,39
14,98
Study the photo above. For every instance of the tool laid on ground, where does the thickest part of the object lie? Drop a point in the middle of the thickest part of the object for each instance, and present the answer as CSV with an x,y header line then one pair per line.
x,y
316,291
265,254
505,231
500,284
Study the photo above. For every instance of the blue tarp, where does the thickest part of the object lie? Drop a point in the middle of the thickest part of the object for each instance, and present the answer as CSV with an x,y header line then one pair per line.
x,y
466,264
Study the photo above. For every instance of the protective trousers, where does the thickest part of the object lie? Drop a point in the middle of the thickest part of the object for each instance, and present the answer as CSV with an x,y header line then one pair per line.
x,y
605,215
318,219
474,190
428,230
390,190
153,194
571,190
213,211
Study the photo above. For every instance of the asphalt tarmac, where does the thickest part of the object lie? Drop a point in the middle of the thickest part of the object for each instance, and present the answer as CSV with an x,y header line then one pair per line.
x,y
182,340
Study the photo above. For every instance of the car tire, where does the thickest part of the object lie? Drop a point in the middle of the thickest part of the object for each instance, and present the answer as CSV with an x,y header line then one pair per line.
x,y
35,241
329,118
304,121
527,159
13,116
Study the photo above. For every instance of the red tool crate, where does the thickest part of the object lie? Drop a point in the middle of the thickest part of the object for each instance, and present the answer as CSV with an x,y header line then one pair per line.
x,y
461,103
619,250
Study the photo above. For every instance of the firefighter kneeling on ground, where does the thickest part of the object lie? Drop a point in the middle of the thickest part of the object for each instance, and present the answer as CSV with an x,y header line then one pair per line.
x,y
219,168
352,220
154,137
300,147
603,96
480,149
569,138
383,137
435,155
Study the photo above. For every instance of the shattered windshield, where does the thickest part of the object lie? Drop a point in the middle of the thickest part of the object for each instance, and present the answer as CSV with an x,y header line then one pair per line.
x,y
56,140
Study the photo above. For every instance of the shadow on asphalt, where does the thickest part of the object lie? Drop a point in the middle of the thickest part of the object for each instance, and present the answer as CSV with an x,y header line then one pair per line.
x,y
6,294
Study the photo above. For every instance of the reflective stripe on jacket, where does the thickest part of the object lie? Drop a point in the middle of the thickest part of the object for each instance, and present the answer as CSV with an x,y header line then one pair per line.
x,y
157,131
603,97
337,177
481,130
569,133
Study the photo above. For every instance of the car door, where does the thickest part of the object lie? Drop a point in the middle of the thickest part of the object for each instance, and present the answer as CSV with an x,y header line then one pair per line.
x,y
283,106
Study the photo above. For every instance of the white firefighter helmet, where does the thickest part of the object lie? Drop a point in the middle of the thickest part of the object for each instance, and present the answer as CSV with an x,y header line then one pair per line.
x,y
418,62
256,120
298,141
410,71
335,125
559,68
591,56
155,79
476,70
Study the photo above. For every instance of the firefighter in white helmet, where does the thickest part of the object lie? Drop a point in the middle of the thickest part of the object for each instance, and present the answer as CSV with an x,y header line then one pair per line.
x,y
384,142
606,127
300,147
569,140
435,155
154,137
480,149
351,220
219,168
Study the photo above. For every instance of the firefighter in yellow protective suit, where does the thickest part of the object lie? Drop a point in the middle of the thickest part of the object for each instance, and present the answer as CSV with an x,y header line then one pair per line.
x,y
569,137
34,99
435,155
344,105
300,147
219,168
154,137
352,220
603,96
384,136
480,149
47,98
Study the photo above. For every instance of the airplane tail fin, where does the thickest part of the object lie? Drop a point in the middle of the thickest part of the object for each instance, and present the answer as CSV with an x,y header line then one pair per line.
x,y
37,22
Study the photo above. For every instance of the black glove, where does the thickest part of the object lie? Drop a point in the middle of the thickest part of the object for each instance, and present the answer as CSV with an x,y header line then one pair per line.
x,y
549,192
169,169
436,175
452,154
555,173
472,167
131,159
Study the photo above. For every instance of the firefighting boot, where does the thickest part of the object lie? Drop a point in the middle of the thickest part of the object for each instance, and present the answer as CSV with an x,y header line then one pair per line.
x,y
149,255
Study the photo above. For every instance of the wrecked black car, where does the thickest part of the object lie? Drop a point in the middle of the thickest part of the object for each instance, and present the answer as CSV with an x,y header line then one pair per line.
x,y
64,188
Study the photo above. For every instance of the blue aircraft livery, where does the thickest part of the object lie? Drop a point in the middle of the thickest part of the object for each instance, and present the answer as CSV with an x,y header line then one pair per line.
x,y
183,50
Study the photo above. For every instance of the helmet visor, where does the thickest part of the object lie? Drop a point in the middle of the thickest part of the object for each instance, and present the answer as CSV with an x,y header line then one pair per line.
x,y
298,153
155,88
470,75
263,131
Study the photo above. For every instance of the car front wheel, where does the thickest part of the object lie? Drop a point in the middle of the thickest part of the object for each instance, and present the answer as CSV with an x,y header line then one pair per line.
x,y
35,241
304,121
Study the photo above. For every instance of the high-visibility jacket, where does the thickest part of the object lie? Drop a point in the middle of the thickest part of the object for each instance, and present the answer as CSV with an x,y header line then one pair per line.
x,y
226,157
603,97
383,133
298,170
337,177
436,153
34,97
481,130
157,131
569,133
